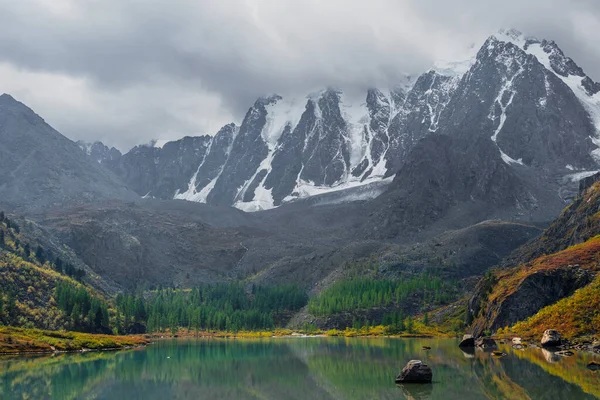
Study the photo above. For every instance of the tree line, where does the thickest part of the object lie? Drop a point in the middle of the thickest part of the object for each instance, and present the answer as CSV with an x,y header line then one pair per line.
x,y
364,293
222,306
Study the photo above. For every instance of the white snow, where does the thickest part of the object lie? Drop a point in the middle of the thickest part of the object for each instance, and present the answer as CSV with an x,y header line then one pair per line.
x,y
512,36
507,88
356,117
191,194
159,143
459,65
308,189
581,175
280,114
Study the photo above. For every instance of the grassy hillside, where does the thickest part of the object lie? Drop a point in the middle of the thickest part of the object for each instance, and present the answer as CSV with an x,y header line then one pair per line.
x,y
17,340
555,284
574,316
40,290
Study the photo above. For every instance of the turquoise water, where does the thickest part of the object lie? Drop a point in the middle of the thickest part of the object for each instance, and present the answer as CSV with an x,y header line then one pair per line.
x,y
296,368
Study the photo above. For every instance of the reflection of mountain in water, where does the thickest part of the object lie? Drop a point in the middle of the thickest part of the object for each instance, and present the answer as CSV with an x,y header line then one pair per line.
x,y
319,368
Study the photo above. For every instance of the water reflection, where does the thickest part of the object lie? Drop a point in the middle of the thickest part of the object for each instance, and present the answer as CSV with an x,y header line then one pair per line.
x,y
316,368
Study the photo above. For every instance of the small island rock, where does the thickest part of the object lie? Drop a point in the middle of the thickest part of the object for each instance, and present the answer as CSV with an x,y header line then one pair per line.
x,y
415,372
467,341
551,338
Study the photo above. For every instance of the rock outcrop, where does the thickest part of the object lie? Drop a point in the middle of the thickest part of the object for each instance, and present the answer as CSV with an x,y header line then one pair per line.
x,y
551,338
415,372
467,341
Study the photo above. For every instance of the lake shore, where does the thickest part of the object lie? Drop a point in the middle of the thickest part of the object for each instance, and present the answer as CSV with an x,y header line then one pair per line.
x,y
38,341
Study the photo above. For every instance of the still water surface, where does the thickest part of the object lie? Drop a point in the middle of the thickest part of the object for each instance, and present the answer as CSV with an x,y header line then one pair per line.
x,y
297,368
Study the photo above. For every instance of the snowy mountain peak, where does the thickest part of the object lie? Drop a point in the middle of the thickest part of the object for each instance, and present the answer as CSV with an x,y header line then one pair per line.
x,y
524,95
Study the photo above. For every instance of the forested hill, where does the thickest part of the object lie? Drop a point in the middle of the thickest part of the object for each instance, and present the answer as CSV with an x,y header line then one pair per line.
x,y
41,290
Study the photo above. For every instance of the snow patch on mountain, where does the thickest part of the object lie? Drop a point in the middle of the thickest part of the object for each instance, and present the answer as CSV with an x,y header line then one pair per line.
x,y
281,114
309,189
580,175
159,143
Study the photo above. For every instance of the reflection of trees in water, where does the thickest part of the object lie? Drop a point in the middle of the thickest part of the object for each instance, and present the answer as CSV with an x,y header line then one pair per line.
x,y
62,376
515,377
566,369
328,368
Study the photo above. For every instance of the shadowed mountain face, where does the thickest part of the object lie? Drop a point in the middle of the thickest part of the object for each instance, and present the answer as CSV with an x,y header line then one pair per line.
x,y
40,168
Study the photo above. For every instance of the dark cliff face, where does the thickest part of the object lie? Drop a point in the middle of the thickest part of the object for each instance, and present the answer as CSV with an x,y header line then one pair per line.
x,y
100,153
453,179
418,117
162,172
531,114
247,152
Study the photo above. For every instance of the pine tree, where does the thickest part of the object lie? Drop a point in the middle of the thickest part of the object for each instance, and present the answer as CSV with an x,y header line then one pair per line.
x,y
39,254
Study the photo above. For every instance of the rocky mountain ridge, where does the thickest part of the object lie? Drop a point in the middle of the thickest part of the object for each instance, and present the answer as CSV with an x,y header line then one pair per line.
x,y
538,108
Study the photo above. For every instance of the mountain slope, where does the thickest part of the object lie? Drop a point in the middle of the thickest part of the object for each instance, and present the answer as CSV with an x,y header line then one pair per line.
x,y
573,243
41,168
33,283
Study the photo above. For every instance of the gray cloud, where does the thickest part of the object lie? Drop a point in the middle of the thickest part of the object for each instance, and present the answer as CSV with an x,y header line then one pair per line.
x,y
127,71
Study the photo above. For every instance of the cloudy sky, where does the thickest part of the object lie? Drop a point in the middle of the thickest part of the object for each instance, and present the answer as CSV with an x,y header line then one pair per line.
x,y
128,71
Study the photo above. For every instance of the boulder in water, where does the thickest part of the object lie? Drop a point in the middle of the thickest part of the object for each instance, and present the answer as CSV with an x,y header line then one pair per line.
x,y
467,341
551,338
415,372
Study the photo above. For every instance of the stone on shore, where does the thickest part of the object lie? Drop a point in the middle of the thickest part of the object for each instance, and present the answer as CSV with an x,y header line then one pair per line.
x,y
415,372
467,341
551,338
486,343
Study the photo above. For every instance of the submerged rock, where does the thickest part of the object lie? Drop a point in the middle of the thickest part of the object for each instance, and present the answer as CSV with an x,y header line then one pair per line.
x,y
551,338
467,341
415,372
486,343
498,354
